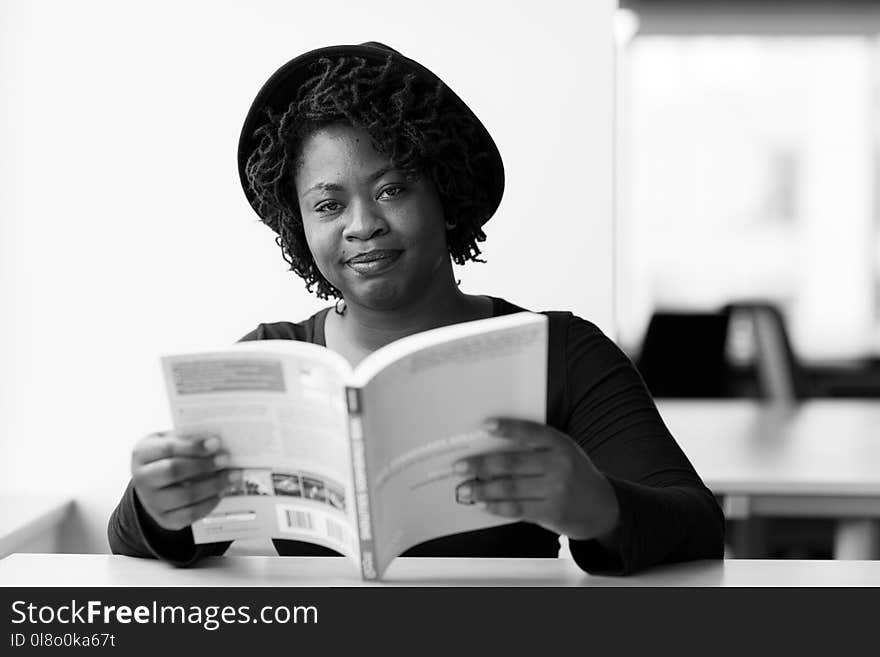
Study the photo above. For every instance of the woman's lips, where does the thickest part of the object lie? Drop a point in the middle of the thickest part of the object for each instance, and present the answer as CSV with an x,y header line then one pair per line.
x,y
374,262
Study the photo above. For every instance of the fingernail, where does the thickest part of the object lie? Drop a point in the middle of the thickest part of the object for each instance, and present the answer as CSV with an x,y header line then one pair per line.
x,y
460,467
221,460
480,505
491,426
463,494
211,444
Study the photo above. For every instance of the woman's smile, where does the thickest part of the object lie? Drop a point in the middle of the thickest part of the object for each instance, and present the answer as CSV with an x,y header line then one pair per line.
x,y
375,262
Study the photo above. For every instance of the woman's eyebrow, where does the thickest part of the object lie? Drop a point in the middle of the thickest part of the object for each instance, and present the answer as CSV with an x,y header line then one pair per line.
x,y
325,186
335,187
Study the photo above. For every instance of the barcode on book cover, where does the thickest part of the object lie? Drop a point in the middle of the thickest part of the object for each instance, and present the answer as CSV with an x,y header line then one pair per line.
x,y
336,531
299,520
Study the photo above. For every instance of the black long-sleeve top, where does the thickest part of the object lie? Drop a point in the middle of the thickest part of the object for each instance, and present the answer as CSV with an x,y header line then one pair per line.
x,y
594,395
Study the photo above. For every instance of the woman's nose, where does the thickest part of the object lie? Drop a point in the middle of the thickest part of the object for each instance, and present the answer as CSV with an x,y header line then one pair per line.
x,y
365,222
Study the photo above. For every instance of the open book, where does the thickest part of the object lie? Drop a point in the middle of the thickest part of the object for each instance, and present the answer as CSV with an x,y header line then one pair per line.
x,y
358,460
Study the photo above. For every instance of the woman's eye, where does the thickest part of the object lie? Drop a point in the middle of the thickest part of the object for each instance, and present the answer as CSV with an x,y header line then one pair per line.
x,y
391,191
327,206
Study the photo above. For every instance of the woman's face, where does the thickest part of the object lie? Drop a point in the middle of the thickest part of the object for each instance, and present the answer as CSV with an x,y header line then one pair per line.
x,y
378,237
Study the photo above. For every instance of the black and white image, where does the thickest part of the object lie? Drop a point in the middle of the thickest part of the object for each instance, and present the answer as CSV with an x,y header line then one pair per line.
x,y
287,484
244,481
499,293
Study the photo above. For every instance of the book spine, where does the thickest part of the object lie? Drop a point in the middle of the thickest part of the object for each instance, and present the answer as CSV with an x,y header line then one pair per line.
x,y
361,487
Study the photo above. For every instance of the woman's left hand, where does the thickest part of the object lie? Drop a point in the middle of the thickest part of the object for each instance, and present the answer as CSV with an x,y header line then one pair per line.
x,y
545,478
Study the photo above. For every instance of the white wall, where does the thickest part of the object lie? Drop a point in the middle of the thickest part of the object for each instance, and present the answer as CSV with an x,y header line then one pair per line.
x,y
124,232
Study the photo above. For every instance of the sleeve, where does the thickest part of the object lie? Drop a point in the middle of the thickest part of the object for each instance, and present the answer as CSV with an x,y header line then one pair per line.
x,y
258,333
666,512
132,532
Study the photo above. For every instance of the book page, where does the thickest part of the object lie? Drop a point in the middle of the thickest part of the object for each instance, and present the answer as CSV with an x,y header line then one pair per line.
x,y
424,411
280,413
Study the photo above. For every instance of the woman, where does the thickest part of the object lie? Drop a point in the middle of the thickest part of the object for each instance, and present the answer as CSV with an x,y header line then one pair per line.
x,y
375,177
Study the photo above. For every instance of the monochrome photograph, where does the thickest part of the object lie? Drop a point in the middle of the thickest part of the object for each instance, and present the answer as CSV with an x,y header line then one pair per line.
x,y
491,295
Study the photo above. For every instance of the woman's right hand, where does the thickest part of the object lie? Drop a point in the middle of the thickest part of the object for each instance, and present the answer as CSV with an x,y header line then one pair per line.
x,y
178,478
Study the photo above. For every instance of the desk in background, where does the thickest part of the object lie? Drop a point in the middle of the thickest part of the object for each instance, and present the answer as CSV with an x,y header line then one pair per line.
x,y
857,377
820,458
93,570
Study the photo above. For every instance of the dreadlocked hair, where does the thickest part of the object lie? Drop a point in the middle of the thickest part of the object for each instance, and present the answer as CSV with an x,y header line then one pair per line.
x,y
407,120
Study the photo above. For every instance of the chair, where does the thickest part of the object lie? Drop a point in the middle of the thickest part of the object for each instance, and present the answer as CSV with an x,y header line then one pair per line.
x,y
781,378
683,354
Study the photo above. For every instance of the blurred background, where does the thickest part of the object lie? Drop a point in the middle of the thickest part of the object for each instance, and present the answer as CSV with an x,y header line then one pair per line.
x,y
748,250
748,163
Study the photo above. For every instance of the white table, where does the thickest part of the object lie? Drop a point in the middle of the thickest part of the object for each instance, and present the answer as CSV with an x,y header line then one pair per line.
x,y
819,458
92,570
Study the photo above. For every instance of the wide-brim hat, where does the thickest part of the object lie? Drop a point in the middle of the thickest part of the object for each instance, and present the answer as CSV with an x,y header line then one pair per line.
x,y
281,89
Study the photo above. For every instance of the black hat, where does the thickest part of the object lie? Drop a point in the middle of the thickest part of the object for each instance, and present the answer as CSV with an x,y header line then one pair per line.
x,y
281,89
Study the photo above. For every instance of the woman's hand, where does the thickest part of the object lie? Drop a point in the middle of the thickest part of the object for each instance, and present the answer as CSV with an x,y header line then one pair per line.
x,y
178,479
545,478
